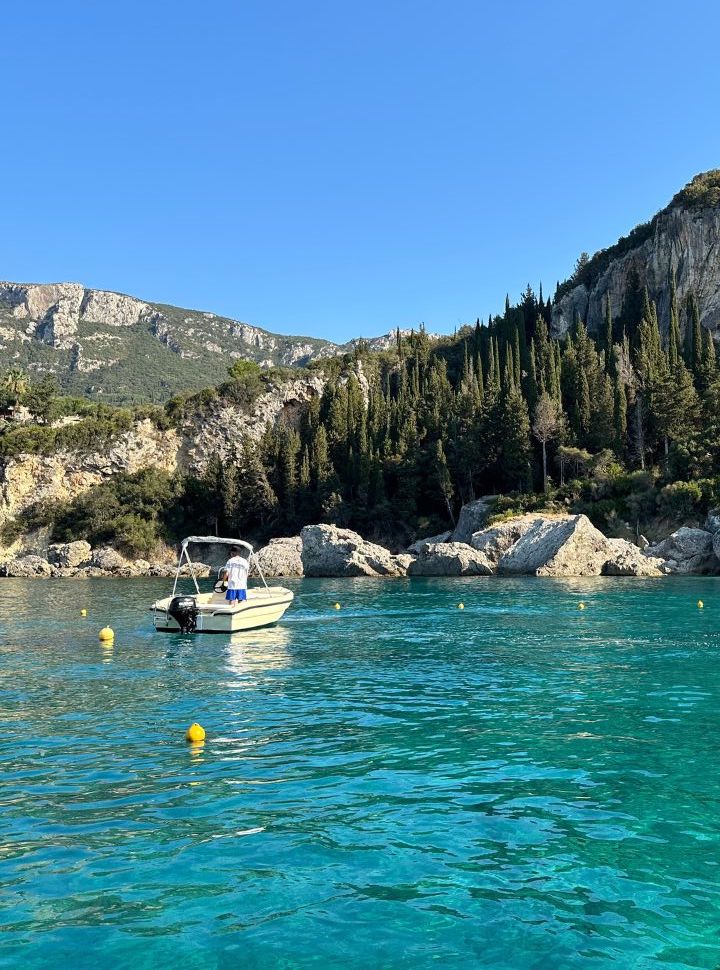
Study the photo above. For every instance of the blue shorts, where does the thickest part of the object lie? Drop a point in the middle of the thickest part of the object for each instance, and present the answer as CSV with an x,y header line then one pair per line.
x,y
236,594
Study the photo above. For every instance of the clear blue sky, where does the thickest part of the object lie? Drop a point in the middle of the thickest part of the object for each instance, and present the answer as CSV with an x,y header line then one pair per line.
x,y
335,168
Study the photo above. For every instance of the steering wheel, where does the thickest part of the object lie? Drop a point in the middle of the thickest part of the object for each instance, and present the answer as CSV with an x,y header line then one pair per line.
x,y
220,584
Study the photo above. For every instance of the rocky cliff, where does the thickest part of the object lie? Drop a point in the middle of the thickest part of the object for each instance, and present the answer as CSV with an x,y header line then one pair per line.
x,y
683,239
30,479
215,431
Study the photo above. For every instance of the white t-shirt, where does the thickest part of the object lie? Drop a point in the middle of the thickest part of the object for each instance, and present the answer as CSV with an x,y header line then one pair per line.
x,y
237,573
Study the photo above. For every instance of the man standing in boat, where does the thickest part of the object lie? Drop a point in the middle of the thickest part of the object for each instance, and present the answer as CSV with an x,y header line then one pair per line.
x,y
236,576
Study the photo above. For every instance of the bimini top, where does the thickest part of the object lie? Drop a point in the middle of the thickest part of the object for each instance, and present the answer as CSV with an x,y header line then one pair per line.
x,y
217,540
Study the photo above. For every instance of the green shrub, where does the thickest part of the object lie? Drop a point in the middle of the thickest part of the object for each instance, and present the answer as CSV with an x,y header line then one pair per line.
x,y
515,503
131,511
681,499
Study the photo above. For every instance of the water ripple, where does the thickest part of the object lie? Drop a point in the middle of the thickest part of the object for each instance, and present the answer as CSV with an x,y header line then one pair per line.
x,y
394,784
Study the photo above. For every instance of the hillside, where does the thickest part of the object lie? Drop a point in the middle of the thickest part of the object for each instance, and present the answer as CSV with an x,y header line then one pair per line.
x,y
122,349
682,242
619,420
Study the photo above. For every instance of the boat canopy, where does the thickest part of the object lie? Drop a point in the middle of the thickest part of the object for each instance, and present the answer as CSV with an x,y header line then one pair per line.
x,y
218,540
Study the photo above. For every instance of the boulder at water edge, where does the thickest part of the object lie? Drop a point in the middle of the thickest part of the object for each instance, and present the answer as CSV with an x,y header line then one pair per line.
x,y
688,551
28,567
712,522
450,559
566,547
281,557
70,555
497,539
109,560
330,551
625,559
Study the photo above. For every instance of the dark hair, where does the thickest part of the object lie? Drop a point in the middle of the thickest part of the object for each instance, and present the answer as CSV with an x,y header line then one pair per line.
x,y
235,550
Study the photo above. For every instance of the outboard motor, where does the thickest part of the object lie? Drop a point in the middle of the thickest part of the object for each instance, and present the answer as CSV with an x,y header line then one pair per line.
x,y
183,609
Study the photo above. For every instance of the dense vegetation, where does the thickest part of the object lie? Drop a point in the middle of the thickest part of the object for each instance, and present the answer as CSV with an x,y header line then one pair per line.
x,y
623,425
61,422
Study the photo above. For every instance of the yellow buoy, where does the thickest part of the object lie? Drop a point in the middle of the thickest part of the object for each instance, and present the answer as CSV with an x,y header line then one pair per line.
x,y
581,606
700,604
461,606
107,633
195,733
83,612
337,606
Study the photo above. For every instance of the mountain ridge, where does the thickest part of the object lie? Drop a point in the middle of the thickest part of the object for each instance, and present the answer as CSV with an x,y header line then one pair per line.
x,y
122,349
92,340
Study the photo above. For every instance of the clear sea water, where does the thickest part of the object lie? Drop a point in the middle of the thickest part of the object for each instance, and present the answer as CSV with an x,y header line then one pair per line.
x,y
399,783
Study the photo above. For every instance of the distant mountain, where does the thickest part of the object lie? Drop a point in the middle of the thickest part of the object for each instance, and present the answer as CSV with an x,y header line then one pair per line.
x,y
123,349
101,343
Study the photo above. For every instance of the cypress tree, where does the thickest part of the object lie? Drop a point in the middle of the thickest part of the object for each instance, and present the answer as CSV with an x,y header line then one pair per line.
x,y
696,362
620,416
674,343
514,440
608,336
708,360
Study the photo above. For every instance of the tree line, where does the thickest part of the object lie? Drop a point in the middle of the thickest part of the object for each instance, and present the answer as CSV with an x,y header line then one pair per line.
x,y
399,441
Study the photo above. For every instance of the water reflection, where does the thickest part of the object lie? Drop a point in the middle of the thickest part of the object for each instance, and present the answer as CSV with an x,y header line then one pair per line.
x,y
258,651
196,749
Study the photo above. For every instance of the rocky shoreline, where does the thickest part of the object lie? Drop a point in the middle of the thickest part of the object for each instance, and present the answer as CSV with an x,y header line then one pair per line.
x,y
534,544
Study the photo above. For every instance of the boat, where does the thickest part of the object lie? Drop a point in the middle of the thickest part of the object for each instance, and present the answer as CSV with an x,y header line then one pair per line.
x,y
211,612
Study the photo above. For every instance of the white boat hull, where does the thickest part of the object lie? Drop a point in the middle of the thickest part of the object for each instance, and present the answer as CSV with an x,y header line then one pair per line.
x,y
263,607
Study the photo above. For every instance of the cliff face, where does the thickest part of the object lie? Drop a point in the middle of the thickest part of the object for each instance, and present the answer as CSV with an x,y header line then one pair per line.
x,y
218,432
29,479
683,240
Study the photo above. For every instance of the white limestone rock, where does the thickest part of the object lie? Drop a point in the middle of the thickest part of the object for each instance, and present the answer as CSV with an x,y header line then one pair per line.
x,y
450,559
70,555
472,518
569,546
28,567
415,548
688,551
497,539
330,551
281,557
110,561
627,559
692,232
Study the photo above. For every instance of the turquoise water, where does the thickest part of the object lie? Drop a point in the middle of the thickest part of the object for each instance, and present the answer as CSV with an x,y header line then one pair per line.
x,y
395,784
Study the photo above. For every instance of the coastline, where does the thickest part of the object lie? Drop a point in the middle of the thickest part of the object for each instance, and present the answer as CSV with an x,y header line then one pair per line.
x,y
534,544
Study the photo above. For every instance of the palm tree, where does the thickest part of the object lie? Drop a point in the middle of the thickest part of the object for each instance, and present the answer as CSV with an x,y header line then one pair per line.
x,y
15,384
